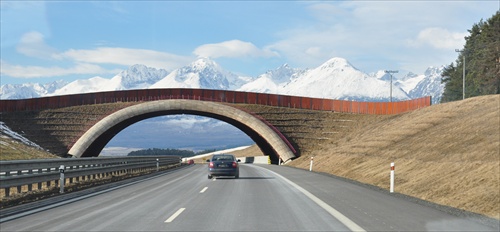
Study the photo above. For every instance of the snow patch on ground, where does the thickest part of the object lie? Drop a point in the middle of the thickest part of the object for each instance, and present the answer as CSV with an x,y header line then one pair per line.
x,y
7,132
215,152
118,151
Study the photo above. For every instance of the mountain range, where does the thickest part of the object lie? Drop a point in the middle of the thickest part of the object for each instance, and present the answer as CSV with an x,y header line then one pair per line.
x,y
334,79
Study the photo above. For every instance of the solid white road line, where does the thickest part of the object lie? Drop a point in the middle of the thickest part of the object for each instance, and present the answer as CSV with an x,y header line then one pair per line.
x,y
336,214
203,190
176,214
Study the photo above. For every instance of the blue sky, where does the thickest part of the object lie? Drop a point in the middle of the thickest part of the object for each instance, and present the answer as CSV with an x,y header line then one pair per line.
x,y
46,41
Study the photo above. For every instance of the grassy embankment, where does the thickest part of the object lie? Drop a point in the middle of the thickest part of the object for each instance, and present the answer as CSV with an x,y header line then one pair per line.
x,y
448,154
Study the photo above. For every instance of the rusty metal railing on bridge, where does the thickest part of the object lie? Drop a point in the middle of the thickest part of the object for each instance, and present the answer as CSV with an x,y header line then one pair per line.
x,y
227,96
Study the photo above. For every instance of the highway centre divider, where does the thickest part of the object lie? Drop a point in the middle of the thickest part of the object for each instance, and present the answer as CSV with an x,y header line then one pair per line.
x,y
21,173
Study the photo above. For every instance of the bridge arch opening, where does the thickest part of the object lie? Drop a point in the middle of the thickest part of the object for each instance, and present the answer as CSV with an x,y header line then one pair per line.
x,y
178,131
268,140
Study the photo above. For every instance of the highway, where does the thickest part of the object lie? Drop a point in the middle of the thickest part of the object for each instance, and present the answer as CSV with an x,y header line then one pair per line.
x,y
265,198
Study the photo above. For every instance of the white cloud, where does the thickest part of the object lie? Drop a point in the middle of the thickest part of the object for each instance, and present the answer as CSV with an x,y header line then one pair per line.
x,y
378,34
440,38
19,17
188,123
126,56
184,122
308,47
32,44
20,71
232,49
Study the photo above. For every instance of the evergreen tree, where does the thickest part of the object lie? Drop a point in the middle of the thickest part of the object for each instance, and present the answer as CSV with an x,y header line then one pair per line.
x,y
482,63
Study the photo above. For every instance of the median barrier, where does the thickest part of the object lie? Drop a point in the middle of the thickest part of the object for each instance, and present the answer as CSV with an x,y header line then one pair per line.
x,y
21,173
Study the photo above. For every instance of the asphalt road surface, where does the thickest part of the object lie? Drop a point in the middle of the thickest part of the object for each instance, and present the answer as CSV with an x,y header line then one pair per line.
x,y
264,198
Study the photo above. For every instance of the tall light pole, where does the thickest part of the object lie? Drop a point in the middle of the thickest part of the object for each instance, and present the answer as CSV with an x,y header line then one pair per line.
x,y
390,73
463,83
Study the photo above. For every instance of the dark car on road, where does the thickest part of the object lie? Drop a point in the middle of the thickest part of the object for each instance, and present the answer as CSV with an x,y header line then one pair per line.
x,y
223,165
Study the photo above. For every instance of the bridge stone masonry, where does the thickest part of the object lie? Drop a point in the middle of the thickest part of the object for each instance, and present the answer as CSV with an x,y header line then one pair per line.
x,y
282,126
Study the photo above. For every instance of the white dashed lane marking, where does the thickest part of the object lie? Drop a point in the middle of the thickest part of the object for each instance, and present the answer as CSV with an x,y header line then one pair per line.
x,y
176,214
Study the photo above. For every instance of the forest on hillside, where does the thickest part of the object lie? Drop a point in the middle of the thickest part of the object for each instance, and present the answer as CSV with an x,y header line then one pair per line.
x,y
481,55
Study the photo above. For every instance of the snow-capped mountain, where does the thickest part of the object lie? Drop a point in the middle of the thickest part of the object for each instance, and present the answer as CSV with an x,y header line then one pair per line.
x,y
135,77
29,90
335,79
430,85
272,80
408,82
338,79
416,86
202,73
94,84
140,76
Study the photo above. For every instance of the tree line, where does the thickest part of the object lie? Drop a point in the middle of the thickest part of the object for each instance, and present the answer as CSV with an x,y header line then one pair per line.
x,y
482,63
163,152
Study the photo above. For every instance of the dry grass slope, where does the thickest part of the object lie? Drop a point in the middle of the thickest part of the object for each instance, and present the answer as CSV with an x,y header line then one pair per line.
x,y
13,150
447,153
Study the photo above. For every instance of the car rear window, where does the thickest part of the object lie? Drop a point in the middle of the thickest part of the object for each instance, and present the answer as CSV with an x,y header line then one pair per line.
x,y
222,157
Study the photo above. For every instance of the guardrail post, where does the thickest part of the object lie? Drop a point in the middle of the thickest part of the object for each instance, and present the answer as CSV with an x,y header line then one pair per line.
x,y
61,179
30,186
44,172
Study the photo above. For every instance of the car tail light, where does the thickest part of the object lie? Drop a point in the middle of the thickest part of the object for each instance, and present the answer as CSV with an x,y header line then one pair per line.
x,y
211,165
235,164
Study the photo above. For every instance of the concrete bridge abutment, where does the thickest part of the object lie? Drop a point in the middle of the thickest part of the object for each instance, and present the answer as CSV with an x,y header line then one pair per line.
x,y
270,141
282,126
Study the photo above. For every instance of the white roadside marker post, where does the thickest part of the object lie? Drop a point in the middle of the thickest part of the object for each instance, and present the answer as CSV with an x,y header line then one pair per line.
x,y
157,165
392,178
311,165
61,179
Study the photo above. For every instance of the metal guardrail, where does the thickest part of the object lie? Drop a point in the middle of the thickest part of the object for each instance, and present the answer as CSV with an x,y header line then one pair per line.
x,y
28,172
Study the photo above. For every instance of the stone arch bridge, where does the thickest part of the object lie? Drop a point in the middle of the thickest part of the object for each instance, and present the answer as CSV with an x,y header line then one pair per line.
x,y
282,126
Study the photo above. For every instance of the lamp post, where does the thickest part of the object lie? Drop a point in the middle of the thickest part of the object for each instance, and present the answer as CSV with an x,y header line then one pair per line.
x,y
390,73
463,75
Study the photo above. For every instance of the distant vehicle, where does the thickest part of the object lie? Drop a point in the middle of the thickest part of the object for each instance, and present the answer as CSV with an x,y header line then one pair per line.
x,y
190,162
223,165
